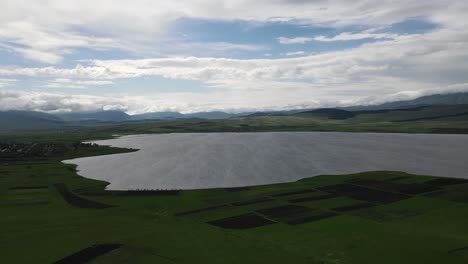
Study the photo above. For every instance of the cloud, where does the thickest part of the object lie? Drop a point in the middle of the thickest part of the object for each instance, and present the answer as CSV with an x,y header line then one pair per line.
x,y
217,49
51,102
295,53
297,40
50,46
6,82
74,84
39,56
233,101
46,30
399,66
396,66
443,59
345,36
47,45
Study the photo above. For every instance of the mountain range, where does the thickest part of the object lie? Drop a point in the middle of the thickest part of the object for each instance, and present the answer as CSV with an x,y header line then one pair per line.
x,y
436,99
18,120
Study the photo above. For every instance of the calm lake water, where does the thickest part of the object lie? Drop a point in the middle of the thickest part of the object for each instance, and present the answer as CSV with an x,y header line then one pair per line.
x,y
209,160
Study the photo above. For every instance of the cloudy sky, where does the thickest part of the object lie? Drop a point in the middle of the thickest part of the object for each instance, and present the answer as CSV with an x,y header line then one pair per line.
x,y
232,55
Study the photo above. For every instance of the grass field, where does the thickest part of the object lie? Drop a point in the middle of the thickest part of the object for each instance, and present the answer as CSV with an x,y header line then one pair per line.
x,y
49,213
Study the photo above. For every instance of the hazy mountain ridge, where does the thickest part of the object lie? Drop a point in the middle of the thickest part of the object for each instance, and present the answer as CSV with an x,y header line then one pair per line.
x,y
435,99
28,120
101,116
394,111
157,115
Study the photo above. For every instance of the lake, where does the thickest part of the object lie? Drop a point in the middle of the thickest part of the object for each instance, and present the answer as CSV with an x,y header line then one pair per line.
x,y
210,160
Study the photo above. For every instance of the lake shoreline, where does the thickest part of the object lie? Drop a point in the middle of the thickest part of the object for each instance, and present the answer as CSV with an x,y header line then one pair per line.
x,y
180,161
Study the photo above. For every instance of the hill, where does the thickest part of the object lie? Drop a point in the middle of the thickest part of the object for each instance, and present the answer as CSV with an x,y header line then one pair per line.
x,y
436,99
11,120
329,113
101,116
157,115
440,108
176,115
211,115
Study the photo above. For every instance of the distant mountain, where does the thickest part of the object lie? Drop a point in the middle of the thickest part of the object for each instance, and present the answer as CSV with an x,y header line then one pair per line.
x,y
274,113
157,115
260,114
329,113
436,99
434,107
14,120
114,116
176,115
211,115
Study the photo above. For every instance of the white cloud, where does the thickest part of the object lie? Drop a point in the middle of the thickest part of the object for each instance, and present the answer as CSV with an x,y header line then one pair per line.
x,y
295,53
397,66
45,30
297,40
217,49
296,97
345,36
6,82
439,57
356,36
62,83
50,46
220,46
47,45
38,55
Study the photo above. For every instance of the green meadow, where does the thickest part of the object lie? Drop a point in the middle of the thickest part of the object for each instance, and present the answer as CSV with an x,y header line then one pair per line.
x,y
50,213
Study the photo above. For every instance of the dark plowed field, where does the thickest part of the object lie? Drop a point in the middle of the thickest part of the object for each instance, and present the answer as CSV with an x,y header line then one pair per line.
x,y
353,207
407,188
364,194
398,178
252,201
241,222
294,192
89,253
76,200
311,218
314,198
446,181
202,210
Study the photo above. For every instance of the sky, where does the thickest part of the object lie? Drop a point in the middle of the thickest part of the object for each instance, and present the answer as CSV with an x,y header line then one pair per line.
x,y
227,55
